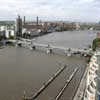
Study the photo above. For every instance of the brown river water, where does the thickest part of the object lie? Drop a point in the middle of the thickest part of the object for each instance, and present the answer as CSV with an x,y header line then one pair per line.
x,y
24,70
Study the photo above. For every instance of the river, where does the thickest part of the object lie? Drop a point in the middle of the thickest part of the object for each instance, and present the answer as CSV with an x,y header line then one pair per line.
x,y
24,70
69,39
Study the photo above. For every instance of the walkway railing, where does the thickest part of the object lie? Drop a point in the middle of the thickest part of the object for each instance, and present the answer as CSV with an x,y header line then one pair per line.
x,y
53,49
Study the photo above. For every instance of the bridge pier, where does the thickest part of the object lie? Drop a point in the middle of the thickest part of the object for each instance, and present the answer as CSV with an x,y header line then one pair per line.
x,y
49,51
34,47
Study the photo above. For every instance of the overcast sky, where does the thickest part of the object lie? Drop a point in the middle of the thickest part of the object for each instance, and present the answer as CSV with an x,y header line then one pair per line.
x,y
69,10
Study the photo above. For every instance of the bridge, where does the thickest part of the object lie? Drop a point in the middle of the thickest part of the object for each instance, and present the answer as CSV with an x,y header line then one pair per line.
x,y
52,49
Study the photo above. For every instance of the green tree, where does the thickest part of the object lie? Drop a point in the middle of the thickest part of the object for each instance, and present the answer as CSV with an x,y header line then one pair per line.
x,y
95,44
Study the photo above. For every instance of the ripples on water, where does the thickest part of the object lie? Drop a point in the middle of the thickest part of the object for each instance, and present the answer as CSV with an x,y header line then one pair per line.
x,y
69,39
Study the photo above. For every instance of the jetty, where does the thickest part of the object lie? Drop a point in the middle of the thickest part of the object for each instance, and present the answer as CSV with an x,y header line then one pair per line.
x,y
45,85
66,84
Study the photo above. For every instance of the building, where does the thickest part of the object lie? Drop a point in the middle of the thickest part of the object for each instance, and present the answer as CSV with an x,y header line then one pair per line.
x,y
7,32
98,34
18,26
92,91
30,29
24,20
97,97
77,26
10,33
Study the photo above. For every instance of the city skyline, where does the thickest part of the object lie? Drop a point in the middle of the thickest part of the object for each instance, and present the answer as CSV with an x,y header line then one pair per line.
x,y
66,10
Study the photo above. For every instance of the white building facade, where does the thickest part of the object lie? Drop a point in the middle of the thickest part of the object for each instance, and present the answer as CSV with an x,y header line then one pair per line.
x,y
91,87
7,32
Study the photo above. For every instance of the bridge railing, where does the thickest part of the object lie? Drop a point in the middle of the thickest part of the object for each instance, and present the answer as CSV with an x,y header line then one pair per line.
x,y
53,49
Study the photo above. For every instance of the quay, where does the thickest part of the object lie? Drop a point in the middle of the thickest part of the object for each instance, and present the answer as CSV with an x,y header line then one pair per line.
x,y
81,89
45,85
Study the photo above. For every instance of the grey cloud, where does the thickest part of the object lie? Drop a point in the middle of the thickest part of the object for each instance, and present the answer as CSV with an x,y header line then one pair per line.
x,y
71,9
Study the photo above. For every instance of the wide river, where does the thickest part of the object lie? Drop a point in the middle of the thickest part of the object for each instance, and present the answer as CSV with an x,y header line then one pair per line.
x,y
24,70
70,39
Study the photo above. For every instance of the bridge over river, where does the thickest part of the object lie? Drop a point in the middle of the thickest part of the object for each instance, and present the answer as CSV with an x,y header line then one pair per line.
x,y
52,49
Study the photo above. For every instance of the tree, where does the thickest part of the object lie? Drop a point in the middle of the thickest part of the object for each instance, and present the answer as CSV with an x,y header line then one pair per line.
x,y
95,44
